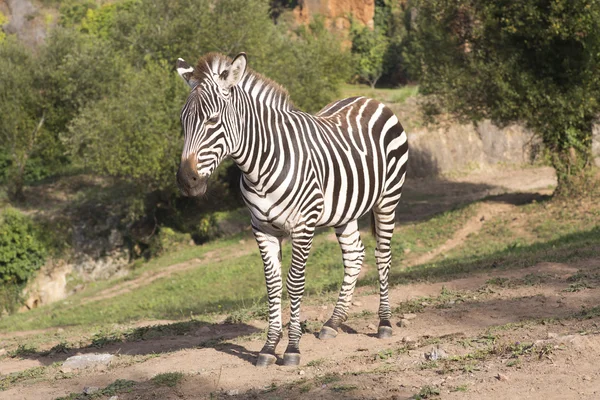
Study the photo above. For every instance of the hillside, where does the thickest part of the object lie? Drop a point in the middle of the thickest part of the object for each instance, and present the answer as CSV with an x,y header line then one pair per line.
x,y
503,291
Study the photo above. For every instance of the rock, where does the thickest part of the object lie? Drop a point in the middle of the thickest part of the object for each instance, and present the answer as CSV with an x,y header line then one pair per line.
x,y
436,354
502,377
3,352
424,304
301,372
407,339
409,316
204,329
406,251
403,323
371,327
90,390
324,307
87,361
233,392
113,398
587,378
357,303
552,335
66,370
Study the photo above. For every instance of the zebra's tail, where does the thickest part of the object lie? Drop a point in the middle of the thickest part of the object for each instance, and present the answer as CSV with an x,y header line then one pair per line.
x,y
373,227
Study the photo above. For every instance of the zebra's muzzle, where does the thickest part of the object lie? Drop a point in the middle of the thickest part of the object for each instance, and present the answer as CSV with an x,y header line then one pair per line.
x,y
189,182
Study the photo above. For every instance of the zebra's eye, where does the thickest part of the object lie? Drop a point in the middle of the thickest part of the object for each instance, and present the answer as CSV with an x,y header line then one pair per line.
x,y
213,120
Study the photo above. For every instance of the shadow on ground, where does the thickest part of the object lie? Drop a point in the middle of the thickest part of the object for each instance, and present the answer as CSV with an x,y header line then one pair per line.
x,y
156,339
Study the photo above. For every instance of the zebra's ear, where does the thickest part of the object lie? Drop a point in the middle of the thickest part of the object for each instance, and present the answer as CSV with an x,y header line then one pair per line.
x,y
234,74
186,72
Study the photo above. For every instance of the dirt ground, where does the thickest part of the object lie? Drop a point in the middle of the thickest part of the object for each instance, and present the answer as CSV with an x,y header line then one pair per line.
x,y
519,334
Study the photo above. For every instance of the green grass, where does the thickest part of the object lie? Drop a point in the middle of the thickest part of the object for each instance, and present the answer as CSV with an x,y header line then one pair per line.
x,y
170,379
117,387
234,285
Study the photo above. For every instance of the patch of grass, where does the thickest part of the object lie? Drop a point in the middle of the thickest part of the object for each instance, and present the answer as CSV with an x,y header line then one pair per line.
x,y
170,379
460,388
23,350
427,392
316,363
117,387
428,365
329,377
32,373
343,388
498,281
258,311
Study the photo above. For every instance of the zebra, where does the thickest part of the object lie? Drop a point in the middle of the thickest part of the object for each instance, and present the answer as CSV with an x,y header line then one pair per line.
x,y
299,172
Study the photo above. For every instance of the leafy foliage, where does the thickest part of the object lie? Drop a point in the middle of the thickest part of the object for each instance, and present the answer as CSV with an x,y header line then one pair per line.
x,y
21,251
531,61
370,46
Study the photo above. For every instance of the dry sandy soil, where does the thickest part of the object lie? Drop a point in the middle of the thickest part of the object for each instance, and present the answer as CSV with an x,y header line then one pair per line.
x,y
498,335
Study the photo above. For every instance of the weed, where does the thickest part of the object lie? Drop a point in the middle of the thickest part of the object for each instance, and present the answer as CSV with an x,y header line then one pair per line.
x,y
102,338
316,363
305,388
23,350
170,379
258,311
428,365
427,392
384,354
270,388
32,373
62,347
327,378
460,388
343,388
513,363
213,342
497,281
410,306
118,386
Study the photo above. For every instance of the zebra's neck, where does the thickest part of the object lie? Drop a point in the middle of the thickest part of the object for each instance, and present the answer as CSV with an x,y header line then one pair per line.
x,y
262,108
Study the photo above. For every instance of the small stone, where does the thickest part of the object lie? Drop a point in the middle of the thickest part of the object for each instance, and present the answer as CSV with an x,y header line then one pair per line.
x,y
407,339
552,335
301,372
90,390
403,323
371,327
66,370
587,378
409,316
204,329
357,303
3,352
324,307
60,330
233,392
406,251
502,377
113,398
436,354
424,304
87,360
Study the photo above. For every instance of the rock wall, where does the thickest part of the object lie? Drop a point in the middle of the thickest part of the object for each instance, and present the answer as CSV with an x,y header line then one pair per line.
x,y
336,12
457,147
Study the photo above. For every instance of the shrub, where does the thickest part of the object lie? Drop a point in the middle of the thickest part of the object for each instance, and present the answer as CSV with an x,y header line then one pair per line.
x,y
21,251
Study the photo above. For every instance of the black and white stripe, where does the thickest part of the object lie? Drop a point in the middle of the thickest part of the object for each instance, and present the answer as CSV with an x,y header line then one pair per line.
x,y
299,172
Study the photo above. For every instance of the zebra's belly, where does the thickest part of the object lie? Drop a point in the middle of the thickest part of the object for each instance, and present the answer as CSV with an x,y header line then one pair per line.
x,y
341,208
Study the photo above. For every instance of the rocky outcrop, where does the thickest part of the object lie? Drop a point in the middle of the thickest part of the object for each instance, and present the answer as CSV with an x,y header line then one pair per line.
x,y
336,12
29,22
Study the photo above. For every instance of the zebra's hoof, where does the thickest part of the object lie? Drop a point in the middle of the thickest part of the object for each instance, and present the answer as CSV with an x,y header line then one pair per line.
x,y
327,333
265,359
291,359
384,332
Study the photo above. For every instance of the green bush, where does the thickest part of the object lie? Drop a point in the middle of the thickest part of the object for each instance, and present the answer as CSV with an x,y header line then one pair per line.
x,y
167,240
21,250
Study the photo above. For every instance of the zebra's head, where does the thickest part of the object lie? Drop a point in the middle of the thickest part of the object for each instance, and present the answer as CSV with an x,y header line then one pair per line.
x,y
208,118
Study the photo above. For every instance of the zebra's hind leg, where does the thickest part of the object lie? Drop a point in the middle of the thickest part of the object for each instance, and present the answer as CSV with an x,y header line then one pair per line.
x,y
384,229
301,243
270,251
353,253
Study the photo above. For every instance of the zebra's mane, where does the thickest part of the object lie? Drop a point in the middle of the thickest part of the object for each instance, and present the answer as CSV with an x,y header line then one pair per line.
x,y
215,63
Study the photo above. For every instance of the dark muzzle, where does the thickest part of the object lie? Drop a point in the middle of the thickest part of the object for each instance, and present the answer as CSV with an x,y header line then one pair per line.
x,y
190,183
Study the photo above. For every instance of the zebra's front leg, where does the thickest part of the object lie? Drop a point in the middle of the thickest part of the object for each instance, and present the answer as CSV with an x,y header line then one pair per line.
x,y
301,242
353,253
270,251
